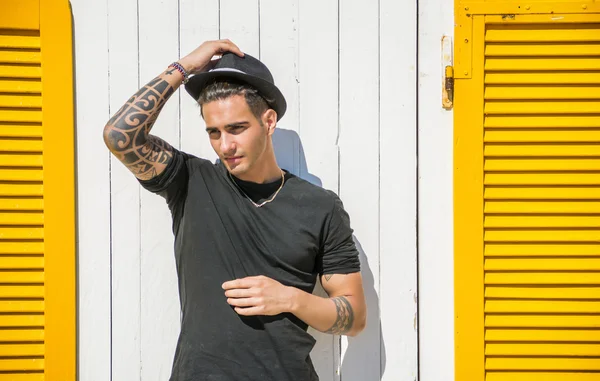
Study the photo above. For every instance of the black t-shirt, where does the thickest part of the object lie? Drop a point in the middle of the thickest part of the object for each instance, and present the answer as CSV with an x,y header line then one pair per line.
x,y
220,236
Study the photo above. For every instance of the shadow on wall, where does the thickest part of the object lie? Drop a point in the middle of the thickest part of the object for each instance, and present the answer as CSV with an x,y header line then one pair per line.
x,y
367,350
290,154
361,356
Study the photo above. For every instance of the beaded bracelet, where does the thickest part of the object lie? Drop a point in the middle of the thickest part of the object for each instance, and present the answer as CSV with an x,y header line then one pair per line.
x,y
180,69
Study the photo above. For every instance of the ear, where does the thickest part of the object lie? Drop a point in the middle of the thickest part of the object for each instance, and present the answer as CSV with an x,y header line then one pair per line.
x,y
269,119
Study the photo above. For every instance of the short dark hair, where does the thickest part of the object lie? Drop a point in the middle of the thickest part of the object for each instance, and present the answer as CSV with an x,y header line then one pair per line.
x,y
223,89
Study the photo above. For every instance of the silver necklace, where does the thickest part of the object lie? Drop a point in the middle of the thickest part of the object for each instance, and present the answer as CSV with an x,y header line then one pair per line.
x,y
252,201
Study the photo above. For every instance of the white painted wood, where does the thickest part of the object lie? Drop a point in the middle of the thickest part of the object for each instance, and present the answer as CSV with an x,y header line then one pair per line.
x,y
279,51
436,261
199,22
125,199
93,193
318,127
160,309
239,22
398,192
318,92
359,174
350,127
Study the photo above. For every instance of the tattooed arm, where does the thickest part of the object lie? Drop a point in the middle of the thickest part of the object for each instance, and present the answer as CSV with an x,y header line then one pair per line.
x,y
127,133
343,313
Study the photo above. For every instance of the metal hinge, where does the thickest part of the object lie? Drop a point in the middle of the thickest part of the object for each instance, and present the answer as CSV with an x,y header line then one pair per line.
x,y
448,89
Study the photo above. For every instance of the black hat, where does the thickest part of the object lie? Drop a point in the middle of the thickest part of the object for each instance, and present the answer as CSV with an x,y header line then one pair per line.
x,y
245,69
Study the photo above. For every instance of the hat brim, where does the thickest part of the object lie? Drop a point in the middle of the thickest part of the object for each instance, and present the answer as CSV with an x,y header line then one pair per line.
x,y
275,98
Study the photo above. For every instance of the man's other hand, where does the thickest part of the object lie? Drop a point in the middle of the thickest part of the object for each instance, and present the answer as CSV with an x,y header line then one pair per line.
x,y
258,295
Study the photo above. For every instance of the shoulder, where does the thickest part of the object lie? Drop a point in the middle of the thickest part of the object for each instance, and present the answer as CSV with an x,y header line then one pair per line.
x,y
197,164
305,192
193,160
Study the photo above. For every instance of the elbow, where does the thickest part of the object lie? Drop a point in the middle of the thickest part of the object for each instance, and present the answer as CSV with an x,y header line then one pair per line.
x,y
111,139
359,324
106,136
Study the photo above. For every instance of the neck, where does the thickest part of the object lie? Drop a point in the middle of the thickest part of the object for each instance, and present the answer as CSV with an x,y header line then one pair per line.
x,y
264,172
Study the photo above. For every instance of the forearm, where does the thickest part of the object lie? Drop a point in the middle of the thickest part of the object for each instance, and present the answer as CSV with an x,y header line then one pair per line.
x,y
337,315
127,133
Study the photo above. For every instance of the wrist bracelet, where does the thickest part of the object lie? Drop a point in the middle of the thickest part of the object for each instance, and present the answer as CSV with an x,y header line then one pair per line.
x,y
180,69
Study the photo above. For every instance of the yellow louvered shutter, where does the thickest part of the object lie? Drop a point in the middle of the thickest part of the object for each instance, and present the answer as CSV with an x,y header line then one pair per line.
x,y
527,192
37,273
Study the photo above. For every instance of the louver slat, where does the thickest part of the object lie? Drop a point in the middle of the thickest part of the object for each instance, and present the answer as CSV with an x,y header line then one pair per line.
x,y
542,335
22,377
22,289
536,50
536,150
543,121
546,376
498,92
541,292
575,364
542,193
542,202
543,78
540,249
554,34
566,263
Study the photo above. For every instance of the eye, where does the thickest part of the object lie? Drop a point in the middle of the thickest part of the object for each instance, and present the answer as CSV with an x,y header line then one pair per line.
x,y
214,134
237,129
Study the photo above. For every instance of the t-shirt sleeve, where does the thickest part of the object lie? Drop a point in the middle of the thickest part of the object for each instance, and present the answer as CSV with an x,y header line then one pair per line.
x,y
172,183
338,254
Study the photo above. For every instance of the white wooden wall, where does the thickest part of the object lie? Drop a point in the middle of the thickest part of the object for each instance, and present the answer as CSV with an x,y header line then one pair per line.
x,y
348,70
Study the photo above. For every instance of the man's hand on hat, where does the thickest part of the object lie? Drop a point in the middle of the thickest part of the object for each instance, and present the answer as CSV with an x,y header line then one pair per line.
x,y
258,295
201,59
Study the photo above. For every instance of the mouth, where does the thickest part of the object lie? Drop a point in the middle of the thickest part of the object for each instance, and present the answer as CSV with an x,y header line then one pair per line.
x,y
233,159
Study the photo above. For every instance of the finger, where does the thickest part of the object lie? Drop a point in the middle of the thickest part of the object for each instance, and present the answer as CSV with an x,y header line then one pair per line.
x,y
239,293
243,302
227,45
238,283
231,284
249,311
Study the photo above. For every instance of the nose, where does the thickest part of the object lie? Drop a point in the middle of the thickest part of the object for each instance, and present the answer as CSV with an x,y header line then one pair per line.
x,y
227,144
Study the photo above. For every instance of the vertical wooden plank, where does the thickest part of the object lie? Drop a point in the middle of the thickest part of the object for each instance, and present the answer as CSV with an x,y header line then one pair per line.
x,y
93,198
125,199
359,169
199,22
398,186
318,92
239,22
59,190
435,147
158,47
468,223
318,118
279,51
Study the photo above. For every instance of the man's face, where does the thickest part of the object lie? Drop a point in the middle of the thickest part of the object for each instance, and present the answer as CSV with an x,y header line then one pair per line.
x,y
235,134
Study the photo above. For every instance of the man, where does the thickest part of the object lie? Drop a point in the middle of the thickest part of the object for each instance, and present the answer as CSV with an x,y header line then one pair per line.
x,y
250,238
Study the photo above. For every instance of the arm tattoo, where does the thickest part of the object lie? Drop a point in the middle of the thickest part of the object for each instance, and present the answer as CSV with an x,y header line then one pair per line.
x,y
345,316
128,135
328,276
